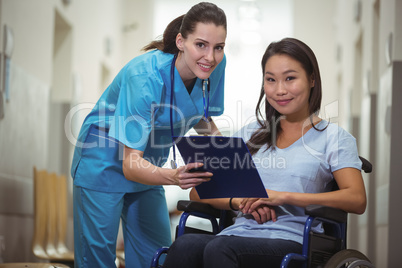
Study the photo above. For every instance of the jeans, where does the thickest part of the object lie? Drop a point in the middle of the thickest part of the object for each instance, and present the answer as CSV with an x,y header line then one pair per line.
x,y
209,251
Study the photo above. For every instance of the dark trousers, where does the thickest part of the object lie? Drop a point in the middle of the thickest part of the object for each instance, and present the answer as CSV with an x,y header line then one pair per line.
x,y
209,251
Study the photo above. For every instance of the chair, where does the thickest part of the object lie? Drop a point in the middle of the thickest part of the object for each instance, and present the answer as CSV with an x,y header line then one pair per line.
x,y
50,218
326,250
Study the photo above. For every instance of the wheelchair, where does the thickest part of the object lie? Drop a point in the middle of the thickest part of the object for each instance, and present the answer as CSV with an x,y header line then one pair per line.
x,y
320,250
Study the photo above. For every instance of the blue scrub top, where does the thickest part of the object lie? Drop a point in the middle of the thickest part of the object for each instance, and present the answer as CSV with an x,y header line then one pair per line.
x,y
135,111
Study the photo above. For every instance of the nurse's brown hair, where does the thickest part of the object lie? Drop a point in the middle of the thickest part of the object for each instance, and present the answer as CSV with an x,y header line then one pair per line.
x,y
185,24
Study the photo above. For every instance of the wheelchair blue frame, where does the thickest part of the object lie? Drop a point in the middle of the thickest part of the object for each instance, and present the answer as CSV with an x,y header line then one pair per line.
x,y
212,217
304,257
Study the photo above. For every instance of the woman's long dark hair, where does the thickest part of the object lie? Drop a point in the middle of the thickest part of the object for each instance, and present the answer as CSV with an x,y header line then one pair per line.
x,y
185,24
270,126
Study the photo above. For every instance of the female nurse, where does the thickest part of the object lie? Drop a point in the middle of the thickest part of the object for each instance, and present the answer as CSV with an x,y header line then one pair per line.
x,y
125,140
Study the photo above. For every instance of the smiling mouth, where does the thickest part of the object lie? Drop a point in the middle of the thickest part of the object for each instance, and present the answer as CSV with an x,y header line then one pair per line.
x,y
283,102
205,67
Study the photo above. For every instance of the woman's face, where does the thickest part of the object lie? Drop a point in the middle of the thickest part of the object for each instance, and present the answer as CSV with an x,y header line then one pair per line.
x,y
201,51
287,86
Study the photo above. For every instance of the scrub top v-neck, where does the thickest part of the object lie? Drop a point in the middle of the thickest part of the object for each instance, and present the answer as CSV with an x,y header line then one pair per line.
x,y
134,111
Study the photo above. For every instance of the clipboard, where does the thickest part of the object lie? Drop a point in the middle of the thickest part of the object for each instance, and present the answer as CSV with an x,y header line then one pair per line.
x,y
228,158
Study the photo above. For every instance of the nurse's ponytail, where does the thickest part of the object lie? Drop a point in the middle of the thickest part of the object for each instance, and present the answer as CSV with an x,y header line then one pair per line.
x,y
203,12
168,42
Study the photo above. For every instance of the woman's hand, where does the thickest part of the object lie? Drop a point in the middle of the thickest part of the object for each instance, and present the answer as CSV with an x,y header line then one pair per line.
x,y
258,208
186,179
263,214
274,199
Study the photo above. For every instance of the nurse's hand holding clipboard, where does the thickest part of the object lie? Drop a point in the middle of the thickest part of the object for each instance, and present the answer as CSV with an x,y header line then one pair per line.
x,y
187,179
192,174
135,167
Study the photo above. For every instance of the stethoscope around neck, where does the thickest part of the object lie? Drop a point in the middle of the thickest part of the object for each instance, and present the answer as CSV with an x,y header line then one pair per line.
x,y
205,99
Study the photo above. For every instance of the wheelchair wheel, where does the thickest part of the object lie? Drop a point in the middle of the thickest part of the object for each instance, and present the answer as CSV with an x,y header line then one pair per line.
x,y
349,258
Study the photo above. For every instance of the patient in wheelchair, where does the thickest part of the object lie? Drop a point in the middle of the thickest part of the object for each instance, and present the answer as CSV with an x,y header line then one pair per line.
x,y
299,157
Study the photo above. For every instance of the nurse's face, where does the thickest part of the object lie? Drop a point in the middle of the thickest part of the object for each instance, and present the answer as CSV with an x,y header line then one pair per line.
x,y
287,86
200,52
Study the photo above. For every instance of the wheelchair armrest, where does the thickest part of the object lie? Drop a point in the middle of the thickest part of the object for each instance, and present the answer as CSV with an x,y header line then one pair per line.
x,y
194,206
330,213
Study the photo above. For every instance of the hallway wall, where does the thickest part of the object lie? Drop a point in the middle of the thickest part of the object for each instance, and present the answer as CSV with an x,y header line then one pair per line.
x,y
362,50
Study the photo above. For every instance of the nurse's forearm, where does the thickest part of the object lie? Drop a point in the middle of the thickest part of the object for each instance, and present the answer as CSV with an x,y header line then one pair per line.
x,y
136,168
